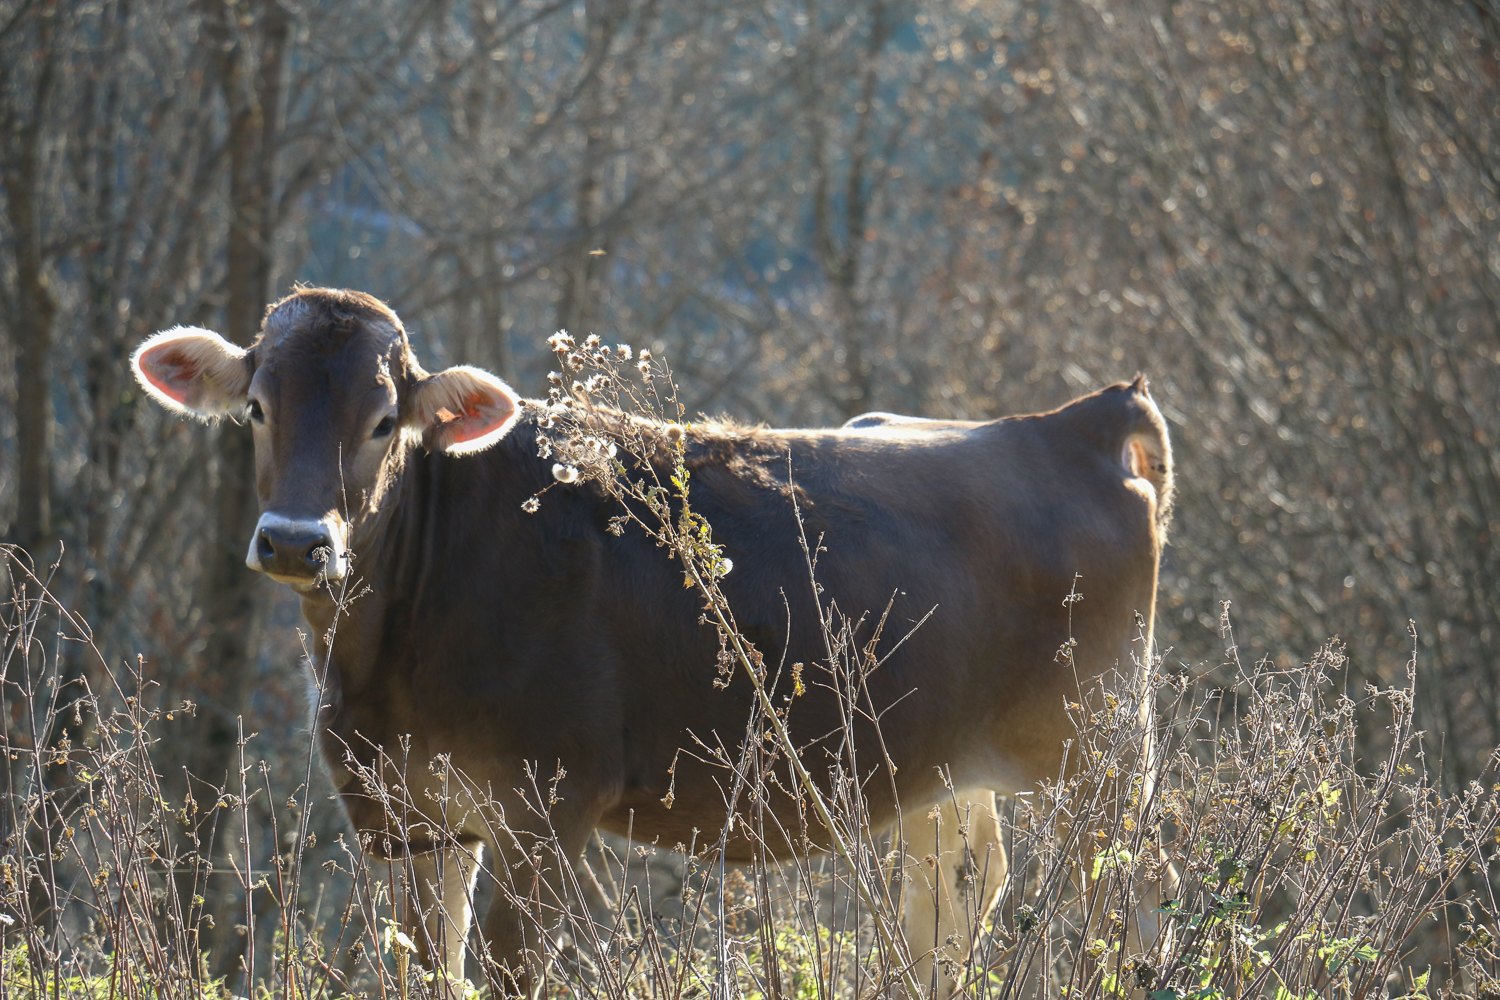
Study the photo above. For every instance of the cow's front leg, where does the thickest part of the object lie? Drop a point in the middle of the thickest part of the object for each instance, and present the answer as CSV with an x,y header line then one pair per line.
x,y
440,906
531,898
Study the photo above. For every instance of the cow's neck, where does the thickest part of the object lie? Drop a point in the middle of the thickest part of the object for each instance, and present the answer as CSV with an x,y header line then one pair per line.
x,y
395,546
346,621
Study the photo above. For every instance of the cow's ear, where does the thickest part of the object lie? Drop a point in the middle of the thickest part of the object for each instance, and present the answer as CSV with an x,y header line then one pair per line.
x,y
463,410
193,371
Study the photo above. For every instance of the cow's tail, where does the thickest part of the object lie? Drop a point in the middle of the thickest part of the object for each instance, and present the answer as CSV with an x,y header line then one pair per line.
x,y
1148,452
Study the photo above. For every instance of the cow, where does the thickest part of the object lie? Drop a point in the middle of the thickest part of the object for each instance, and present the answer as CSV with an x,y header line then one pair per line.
x,y
503,637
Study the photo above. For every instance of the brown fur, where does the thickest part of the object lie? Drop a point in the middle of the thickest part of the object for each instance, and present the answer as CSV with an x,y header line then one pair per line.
x,y
500,638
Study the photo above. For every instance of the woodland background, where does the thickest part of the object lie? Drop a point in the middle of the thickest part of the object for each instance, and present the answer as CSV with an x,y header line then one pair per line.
x,y
1285,212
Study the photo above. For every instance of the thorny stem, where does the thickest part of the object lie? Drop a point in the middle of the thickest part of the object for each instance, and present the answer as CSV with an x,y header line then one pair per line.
x,y
684,545
249,867
794,760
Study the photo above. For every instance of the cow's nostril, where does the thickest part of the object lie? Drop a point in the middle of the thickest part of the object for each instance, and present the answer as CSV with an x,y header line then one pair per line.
x,y
294,549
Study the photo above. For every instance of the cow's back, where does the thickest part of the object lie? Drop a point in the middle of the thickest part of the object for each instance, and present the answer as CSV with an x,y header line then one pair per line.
x,y
989,527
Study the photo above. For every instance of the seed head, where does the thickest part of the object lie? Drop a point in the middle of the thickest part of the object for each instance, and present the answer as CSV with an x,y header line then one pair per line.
x,y
603,446
564,473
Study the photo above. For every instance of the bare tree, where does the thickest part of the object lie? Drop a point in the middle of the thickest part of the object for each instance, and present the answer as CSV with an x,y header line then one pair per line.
x,y
27,88
1292,204
1285,212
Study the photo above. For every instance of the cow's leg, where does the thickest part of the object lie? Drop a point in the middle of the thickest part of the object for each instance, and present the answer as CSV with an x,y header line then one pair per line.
x,y
510,936
441,905
530,898
958,873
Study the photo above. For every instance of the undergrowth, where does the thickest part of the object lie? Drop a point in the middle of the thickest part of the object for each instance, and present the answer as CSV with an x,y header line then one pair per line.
x,y
1272,833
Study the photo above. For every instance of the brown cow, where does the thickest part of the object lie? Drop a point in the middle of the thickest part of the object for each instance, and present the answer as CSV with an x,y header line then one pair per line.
x,y
499,637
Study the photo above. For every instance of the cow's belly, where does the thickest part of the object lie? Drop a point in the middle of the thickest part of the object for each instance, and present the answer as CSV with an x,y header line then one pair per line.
x,y
952,711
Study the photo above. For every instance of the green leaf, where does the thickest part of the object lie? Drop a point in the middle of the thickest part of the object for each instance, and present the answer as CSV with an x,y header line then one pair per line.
x,y
1115,856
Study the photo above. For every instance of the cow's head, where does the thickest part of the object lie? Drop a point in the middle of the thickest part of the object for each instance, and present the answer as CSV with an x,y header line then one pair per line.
x,y
334,396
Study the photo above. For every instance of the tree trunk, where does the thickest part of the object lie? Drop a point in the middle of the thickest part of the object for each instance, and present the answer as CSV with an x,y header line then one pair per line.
x,y
231,605
578,307
31,325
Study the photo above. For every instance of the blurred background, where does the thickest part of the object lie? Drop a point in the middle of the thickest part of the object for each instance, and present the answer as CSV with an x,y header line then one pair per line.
x,y
1284,212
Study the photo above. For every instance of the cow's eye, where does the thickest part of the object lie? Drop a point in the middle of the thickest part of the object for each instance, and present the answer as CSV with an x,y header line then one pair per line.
x,y
256,413
384,428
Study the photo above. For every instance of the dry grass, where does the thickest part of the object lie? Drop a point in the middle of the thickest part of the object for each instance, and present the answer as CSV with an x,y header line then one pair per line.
x,y
1298,868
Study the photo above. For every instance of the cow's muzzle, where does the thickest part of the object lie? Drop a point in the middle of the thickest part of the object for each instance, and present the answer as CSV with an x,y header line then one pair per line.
x,y
298,552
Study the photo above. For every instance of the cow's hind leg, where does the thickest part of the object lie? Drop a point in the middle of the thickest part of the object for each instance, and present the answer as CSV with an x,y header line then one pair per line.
x,y
441,905
956,874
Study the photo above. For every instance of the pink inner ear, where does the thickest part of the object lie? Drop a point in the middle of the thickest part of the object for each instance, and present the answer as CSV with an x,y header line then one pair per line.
x,y
170,371
482,414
